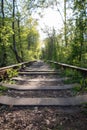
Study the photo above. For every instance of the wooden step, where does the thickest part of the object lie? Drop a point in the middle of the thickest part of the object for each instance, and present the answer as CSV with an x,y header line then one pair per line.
x,y
38,73
39,79
49,71
70,101
28,87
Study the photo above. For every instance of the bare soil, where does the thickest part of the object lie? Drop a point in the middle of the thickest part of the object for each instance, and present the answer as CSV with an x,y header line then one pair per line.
x,y
39,93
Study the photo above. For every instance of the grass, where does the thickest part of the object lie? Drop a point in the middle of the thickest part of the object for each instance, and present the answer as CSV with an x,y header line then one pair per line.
x,y
3,89
74,77
76,89
71,80
84,110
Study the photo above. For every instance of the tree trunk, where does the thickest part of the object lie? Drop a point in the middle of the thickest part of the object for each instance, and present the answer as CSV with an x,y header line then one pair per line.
x,y
20,39
65,32
14,41
3,55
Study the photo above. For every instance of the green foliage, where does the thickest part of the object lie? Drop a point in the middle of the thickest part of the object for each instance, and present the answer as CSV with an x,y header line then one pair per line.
x,y
75,77
30,40
75,52
3,89
77,88
27,37
12,72
27,44
83,83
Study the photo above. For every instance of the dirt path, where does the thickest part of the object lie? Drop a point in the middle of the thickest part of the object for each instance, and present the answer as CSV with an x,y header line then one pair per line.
x,y
38,117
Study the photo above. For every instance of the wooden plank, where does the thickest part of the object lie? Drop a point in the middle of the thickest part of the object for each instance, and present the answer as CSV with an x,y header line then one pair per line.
x,y
40,70
3,70
69,101
37,73
15,65
28,87
70,66
39,79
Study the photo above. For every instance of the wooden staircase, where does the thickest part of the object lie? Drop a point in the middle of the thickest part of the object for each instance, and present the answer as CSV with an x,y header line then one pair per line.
x,y
39,78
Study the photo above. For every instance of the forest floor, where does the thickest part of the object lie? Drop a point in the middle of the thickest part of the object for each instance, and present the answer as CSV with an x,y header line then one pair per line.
x,y
42,117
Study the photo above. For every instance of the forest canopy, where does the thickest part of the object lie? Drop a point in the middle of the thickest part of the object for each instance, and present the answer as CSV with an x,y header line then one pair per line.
x,y
20,38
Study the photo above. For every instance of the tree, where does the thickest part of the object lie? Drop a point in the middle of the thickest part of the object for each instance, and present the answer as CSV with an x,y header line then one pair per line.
x,y
3,55
80,29
14,41
65,31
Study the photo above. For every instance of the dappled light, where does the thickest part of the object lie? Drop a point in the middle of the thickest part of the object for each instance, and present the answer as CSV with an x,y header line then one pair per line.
x,y
52,30
43,64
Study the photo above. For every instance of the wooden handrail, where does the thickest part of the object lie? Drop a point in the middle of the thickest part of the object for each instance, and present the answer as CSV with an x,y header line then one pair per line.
x,y
11,66
82,70
3,70
15,65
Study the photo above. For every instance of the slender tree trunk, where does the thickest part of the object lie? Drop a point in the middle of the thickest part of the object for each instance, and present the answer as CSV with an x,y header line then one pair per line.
x,y
3,55
65,32
3,16
20,39
81,39
14,41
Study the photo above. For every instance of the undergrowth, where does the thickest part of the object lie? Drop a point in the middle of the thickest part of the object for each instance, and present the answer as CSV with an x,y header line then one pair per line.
x,y
12,72
3,89
73,77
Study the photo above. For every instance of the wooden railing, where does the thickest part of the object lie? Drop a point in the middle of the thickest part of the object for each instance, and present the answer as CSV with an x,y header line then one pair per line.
x,y
3,70
82,70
